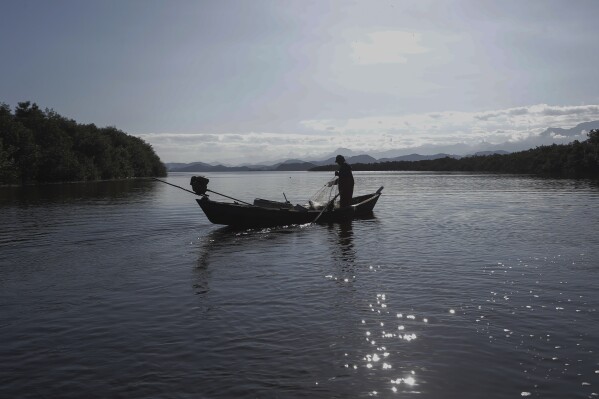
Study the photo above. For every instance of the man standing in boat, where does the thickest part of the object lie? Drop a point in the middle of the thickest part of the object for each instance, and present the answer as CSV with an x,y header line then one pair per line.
x,y
345,181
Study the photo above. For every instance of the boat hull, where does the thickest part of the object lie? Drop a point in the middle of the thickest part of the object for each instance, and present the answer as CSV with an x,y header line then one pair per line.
x,y
250,216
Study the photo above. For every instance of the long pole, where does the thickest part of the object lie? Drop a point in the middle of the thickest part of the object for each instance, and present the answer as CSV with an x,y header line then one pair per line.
x,y
189,191
174,185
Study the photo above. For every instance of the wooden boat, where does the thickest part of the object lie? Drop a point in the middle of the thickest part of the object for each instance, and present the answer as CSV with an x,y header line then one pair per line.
x,y
266,213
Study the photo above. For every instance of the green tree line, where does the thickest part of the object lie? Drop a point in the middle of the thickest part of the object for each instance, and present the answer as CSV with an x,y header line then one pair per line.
x,y
574,160
42,146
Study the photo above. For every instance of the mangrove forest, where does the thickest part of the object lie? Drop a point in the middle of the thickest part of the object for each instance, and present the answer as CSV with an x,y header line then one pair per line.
x,y
39,146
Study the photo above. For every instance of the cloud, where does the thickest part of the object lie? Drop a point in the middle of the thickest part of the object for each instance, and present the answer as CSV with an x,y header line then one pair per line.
x,y
237,148
571,110
387,47
518,111
515,128
451,124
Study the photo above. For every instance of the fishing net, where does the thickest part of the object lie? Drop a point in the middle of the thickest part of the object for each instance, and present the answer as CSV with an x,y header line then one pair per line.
x,y
324,196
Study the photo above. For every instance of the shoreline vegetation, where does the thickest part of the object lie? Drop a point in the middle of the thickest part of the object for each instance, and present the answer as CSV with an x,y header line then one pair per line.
x,y
575,160
44,147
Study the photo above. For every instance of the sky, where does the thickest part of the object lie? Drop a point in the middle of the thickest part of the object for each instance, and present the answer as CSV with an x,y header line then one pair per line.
x,y
248,81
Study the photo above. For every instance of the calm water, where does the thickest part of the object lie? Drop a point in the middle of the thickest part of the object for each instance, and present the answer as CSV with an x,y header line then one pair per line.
x,y
461,286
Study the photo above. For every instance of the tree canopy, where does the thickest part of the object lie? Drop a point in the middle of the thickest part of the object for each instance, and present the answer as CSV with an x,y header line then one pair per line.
x,y
574,160
42,146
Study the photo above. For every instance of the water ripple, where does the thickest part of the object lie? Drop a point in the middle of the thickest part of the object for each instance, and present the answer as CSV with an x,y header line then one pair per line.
x,y
126,290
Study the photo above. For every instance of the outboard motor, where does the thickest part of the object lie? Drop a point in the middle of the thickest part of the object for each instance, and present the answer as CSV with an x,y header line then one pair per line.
x,y
199,184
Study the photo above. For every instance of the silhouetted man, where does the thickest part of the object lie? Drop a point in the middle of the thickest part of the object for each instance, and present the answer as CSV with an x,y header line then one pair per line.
x,y
345,181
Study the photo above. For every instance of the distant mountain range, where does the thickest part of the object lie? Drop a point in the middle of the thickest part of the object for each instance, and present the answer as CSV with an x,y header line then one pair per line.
x,y
549,136
299,165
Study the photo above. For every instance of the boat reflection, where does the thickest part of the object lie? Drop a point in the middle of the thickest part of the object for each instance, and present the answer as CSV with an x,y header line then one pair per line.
x,y
209,244
212,242
344,252
221,245
343,248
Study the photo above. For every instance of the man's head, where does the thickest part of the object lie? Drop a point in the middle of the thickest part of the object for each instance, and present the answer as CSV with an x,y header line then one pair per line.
x,y
339,159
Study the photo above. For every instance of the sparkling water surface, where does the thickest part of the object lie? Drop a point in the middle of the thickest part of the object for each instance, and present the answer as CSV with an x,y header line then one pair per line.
x,y
459,286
